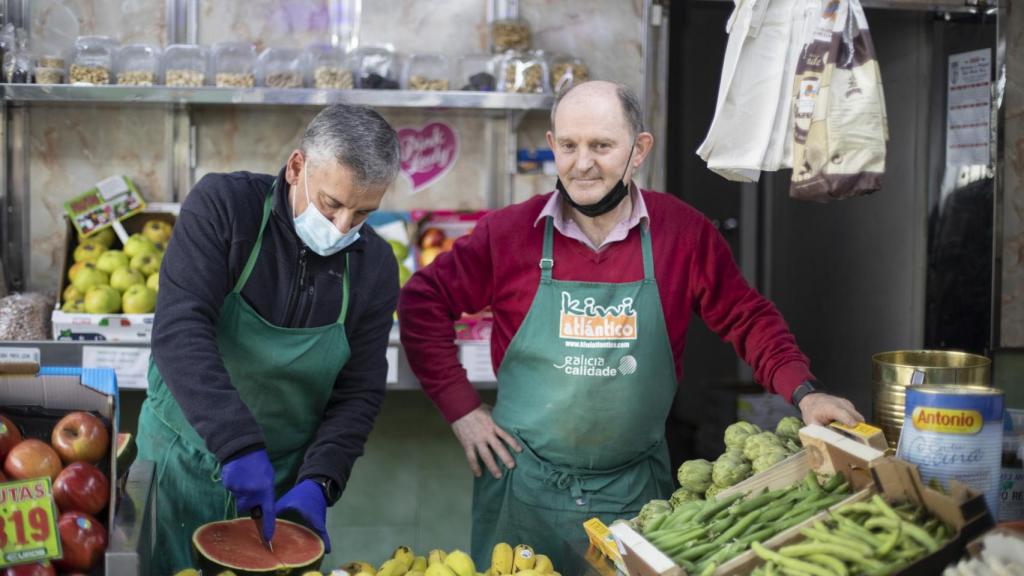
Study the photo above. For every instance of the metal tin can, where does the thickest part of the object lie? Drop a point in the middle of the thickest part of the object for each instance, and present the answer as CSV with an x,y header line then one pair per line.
x,y
955,433
1011,484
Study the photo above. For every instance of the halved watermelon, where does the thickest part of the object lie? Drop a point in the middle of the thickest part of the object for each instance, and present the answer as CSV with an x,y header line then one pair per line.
x,y
235,545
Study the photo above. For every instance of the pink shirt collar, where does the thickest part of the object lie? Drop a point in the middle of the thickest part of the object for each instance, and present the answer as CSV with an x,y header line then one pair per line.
x,y
566,226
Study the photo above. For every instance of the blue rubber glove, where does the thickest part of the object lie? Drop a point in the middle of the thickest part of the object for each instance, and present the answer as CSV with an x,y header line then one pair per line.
x,y
307,500
250,479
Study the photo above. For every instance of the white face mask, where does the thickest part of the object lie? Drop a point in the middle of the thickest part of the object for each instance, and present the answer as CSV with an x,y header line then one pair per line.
x,y
317,231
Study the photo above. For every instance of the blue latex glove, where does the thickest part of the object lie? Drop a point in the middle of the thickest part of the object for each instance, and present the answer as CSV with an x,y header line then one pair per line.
x,y
307,500
250,479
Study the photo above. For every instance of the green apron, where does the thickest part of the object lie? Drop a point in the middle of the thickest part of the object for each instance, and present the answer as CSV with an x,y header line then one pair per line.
x,y
585,386
285,377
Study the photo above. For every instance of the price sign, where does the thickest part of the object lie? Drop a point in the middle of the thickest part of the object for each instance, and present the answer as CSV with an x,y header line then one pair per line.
x,y
110,201
28,522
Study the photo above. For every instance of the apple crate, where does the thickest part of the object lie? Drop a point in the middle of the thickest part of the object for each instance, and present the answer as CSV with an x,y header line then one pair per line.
x,y
35,400
117,327
436,232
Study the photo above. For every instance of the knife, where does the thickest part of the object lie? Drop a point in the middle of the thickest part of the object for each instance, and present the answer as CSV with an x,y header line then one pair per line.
x,y
256,513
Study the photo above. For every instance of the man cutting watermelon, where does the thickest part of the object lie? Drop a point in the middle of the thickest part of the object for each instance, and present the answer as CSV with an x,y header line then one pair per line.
x,y
592,287
268,352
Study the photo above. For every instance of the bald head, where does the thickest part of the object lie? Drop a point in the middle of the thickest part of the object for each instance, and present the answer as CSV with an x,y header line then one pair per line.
x,y
610,100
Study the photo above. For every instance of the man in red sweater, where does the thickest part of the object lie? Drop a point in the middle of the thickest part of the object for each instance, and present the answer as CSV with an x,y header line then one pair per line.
x,y
592,287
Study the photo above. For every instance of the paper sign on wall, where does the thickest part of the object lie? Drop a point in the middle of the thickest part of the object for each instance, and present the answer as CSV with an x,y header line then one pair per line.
x,y
428,153
129,363
968,108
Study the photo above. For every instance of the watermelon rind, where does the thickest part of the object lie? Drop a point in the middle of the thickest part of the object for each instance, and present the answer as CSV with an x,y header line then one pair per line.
x,y
209,564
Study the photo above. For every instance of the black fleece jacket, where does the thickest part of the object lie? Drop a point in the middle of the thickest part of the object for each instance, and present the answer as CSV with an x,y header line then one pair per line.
x,y
290,286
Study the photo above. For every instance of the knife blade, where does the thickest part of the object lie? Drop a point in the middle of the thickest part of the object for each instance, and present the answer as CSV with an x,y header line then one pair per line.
x,y
256,513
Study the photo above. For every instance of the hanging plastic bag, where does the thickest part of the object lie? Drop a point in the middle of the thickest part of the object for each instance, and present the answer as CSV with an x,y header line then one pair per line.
x,y
840,127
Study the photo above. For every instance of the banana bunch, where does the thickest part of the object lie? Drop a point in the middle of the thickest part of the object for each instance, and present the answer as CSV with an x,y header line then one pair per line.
x,y
521,561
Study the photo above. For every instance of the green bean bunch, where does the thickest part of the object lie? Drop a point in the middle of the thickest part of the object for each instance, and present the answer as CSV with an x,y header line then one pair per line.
x,y
701,535
870,538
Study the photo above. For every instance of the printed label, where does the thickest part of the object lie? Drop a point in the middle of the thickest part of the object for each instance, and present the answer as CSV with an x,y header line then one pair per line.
x,y
947,421
586,320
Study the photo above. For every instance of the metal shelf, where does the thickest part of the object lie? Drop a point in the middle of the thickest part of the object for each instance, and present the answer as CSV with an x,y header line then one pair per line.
x,y
498,102
924,5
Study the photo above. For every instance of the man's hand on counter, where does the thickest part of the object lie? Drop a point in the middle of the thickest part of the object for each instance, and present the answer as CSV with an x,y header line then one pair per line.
x,y
822,409
482,438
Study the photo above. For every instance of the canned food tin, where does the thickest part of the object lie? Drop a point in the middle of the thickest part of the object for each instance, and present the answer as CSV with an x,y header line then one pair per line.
x,y
955,433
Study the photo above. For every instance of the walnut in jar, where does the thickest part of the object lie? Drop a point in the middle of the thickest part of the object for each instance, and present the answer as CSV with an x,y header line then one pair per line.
x,y
136,78
49,75
235,80
185,78
565,75
284,80
81,74
509,35
418,82
327,77
524,77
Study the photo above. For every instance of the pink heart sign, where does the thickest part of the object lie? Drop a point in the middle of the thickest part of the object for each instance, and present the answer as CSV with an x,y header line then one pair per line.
x,y
428,153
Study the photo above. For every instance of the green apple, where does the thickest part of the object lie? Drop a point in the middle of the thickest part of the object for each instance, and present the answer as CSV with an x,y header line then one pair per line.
x,y
112,260
124,278
76,267
139,300
138,244
71,294
88,278
105,237
102,299
88,251
400,249
74,306
158,231
153,282
147,263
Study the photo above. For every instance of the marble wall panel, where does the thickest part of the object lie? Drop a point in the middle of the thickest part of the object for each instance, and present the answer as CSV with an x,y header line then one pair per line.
x,y
56,23
73,148
1012,296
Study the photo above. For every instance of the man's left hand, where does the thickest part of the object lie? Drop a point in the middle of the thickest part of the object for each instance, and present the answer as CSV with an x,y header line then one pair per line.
x,y
307,500
822,409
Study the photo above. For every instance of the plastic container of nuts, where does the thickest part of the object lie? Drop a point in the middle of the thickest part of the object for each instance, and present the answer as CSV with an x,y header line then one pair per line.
x,y
377,68
186,65
328,68
234,65
524,73
18,66
477,72
92,60
566,72
280,68
138,65
509,34
50,69
426,72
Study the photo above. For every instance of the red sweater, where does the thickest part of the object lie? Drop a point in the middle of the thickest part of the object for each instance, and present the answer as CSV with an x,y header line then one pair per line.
x,y
497,265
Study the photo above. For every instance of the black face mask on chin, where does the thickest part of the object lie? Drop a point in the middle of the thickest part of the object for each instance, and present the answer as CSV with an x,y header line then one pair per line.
x,y
610,200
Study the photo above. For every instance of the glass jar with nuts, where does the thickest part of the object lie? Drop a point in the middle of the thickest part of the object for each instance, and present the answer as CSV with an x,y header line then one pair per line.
x,y
426,72
138,65
477,72
524,73
566,72
509,34
17,66
328,68
50,69
186,65
92,61
377,67
234,65
280,68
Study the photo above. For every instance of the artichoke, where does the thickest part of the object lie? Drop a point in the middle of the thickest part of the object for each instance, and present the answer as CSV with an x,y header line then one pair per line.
x,y
760,443
651,510
736,434
793,446
695,475
769,458
713,490
682,496
729,469
789,428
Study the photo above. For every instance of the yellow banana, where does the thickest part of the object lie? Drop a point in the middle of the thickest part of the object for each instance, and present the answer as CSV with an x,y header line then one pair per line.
x,y
460,563
523,558
436,557
359,566
438,569
419,564
501,558
404,555
543,565
392,567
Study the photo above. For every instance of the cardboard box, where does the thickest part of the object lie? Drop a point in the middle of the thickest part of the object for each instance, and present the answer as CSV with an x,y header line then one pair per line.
x,y
37,400
826,452
109,327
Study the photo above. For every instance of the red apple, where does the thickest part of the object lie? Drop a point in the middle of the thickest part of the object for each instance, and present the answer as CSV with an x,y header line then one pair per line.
x,y
9,436
32,459
2,477
431,237
83,539
81,487
43,568
80,437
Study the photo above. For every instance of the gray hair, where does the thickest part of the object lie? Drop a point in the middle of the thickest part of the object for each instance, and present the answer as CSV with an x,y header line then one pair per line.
x,y
356,137
631,109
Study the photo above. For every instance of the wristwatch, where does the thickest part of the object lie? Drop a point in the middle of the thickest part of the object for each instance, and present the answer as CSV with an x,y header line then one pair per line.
x,y
330,488
806,387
